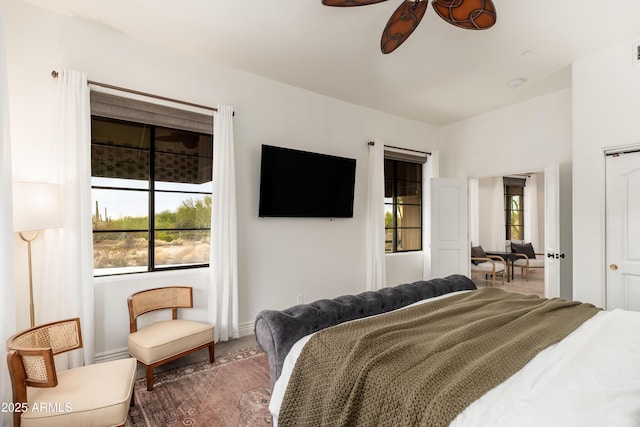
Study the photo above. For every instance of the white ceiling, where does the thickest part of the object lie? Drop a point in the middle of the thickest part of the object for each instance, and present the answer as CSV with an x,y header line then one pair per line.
x,y
441,74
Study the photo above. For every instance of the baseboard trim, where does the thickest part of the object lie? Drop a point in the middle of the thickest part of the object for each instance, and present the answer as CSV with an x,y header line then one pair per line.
x,y
122,353
246,329
107,356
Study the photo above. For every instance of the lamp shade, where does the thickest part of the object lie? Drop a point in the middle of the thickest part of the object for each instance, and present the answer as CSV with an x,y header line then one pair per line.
x,y
36,206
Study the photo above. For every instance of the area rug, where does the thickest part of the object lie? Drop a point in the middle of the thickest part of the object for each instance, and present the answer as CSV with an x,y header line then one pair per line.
x,y
232,391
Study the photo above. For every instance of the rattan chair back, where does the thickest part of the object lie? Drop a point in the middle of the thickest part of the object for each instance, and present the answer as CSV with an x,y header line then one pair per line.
x,y
169,297
30,356
32,350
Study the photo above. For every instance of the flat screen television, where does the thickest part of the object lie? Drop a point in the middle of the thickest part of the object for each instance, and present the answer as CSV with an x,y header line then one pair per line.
x,y
296,183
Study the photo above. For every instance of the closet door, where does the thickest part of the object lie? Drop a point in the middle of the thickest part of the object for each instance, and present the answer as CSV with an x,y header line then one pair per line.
x,y
623,231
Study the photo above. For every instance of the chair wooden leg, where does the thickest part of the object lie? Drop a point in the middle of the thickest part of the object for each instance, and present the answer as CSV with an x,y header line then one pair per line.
x,y
149,378
211,353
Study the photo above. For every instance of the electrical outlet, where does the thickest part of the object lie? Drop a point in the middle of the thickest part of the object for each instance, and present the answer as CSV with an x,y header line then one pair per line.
x,y
300,299
635,53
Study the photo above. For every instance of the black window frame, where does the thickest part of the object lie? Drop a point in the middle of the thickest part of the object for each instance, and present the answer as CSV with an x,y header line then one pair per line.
x,y
513,187
118,109
395,180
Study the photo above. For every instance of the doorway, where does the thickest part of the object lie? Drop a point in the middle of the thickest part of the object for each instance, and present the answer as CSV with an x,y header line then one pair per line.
x,y
493,224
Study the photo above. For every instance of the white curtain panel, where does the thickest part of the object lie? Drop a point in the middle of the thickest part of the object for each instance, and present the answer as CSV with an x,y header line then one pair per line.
x,y
430,169
474,212
7,292
223,294
497,216
375,251
531,211
67,288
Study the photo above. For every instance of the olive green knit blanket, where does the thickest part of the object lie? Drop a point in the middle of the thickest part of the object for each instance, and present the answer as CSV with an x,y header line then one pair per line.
x,y
423,365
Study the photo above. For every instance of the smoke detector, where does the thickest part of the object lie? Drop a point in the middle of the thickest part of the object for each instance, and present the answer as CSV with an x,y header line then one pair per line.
x,y
516,82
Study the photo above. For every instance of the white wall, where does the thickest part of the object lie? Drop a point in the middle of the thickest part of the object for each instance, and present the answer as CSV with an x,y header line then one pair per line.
x,y
524,137
404,267
606,109
521,138
279,259
485,212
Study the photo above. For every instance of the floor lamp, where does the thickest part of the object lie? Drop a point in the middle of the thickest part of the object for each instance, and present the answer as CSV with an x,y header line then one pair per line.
x,y
36,206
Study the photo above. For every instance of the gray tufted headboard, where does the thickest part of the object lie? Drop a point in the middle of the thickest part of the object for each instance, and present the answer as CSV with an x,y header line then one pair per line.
x,y
277,331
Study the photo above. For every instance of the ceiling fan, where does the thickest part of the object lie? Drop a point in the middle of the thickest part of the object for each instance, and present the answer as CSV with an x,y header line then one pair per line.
x,y
469,14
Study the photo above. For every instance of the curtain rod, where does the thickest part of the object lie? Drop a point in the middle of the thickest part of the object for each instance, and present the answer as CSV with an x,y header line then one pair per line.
x,y
400,148
54,74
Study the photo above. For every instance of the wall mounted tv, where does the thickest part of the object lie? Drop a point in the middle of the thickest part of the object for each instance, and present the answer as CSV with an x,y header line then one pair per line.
x,y
296,183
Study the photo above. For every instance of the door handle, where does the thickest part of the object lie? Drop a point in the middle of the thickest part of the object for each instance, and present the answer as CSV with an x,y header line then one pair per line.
x,y
556,256
613,267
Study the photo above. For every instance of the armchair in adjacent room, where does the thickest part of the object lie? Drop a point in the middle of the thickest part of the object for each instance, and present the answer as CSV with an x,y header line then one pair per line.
x,y
527,258
489,265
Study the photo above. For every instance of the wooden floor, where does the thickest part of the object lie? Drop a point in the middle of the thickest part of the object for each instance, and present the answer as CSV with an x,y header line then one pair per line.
x,y
535,284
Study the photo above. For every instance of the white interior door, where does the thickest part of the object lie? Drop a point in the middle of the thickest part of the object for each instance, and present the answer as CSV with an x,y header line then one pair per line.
x,y
552,231
450,250
623,231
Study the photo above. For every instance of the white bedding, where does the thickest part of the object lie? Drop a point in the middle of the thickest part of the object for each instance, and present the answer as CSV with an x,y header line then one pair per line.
x,y
591,378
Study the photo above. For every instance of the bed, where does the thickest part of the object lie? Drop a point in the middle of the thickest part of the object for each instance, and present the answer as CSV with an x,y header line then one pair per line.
x,y
333,362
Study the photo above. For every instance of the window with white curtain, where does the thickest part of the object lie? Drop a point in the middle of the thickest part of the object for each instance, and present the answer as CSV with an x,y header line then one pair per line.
x,y
151,178
403,201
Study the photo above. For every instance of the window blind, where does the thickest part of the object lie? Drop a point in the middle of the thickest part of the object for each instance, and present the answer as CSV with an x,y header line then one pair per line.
x,y
123,108
403,155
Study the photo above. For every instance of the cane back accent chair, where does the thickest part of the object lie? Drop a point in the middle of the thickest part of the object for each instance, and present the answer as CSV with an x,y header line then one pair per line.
x,y
164,341
92,395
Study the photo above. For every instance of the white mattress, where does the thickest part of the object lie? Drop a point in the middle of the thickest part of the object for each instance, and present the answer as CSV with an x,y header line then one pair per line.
x,y
591,378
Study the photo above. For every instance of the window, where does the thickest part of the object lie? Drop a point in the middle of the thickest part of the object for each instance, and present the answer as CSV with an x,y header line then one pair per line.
x,y
514,208
151,191
403,205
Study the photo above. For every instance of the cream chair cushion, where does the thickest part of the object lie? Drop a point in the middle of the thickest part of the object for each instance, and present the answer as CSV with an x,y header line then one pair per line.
x,y
164,339
533,262
106,405
488,267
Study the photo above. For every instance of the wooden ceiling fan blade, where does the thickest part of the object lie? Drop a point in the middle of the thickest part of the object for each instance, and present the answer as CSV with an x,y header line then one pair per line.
x,y
469,14
348,3
401,24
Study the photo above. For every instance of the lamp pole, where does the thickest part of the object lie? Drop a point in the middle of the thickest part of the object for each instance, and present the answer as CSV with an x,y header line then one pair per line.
x,y
31,311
